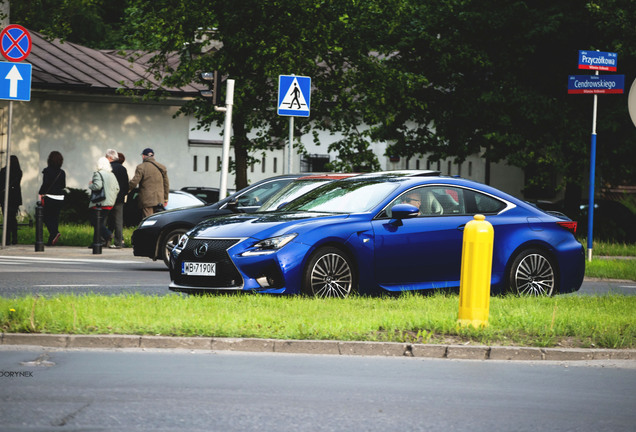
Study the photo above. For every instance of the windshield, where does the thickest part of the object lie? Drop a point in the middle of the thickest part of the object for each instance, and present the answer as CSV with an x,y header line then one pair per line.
x,y
290,193
343,197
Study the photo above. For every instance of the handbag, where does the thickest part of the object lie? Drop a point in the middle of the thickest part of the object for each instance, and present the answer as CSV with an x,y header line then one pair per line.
x,y
98,196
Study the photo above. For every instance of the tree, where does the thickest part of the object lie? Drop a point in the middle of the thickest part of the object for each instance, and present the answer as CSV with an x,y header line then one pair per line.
x,y
260,40
490,76
93,23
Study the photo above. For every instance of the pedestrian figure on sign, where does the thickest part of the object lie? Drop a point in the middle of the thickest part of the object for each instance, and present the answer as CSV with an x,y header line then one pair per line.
x,y
296,93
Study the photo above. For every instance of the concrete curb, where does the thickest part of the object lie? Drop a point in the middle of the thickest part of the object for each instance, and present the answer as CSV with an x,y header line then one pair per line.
x,y
352,348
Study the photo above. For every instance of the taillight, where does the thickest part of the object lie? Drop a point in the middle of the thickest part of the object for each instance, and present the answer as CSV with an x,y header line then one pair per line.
x,y
568,225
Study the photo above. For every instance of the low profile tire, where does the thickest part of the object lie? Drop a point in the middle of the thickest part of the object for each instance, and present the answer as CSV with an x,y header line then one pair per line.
x,y
329,273
168,243
533,274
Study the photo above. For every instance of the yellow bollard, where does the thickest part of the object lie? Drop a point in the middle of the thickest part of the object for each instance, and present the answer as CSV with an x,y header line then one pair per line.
x,y
474,283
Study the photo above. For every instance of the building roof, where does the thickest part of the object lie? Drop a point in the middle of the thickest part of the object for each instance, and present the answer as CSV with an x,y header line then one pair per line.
x,y
67,66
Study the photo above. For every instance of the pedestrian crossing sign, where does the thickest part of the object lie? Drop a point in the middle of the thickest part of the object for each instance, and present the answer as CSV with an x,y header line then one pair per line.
x,y
294,95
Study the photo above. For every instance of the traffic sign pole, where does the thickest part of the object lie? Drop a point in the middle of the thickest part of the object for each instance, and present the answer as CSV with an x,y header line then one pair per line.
x,y
6,180
290,146
15,46
595,84
590,210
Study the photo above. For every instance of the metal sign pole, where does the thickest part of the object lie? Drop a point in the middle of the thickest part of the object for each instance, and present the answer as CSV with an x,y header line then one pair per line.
x,y
6,182
590,210
291,145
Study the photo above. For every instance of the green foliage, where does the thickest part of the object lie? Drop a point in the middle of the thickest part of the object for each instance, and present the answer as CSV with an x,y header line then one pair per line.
x,y
448,78
93,23
75,209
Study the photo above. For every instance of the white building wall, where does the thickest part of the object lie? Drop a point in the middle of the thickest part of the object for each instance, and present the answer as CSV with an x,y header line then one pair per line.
x,y
82,131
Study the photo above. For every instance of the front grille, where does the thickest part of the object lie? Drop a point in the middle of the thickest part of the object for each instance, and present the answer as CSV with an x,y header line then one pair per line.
x,y
227,276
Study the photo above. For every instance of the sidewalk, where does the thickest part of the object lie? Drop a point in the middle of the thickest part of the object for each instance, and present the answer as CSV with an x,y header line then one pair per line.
x,y
70,252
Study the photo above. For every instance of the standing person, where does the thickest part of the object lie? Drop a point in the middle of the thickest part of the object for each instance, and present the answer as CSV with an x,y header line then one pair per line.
x,y
116,215
15,198
154,187
52,194
104,178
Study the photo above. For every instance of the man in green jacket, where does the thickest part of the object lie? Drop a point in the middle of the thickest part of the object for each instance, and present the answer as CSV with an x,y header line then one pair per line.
x,y
154,187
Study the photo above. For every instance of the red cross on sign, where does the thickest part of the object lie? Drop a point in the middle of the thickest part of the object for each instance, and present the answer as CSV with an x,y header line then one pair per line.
x,y
15,43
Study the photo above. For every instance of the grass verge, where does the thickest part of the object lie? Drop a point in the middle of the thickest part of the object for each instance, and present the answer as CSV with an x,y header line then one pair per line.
x,y
571,321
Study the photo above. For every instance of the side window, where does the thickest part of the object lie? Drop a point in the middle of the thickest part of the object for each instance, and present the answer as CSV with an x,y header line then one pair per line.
x,y
451,199
479,203
260,194
431,201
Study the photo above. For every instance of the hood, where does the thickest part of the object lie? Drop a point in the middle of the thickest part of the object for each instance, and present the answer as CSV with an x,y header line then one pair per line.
x,y
257,225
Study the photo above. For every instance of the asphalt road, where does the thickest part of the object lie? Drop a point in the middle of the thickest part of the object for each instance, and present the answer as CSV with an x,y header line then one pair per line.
x,y
79,271
221,391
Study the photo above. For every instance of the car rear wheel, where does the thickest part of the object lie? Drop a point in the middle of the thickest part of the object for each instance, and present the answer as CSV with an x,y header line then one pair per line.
x,y
329,273
168,243
533,273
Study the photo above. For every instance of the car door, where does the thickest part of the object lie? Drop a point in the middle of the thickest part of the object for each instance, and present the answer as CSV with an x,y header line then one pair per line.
x,y
425,251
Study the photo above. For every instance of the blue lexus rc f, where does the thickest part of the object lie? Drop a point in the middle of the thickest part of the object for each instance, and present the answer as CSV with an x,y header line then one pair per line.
x,y
375,233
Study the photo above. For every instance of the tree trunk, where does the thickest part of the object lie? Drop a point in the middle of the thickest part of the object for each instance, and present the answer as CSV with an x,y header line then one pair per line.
x,y
241,144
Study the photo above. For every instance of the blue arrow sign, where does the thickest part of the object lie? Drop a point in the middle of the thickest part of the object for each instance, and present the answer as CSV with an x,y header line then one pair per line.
x,y
15,81
294,95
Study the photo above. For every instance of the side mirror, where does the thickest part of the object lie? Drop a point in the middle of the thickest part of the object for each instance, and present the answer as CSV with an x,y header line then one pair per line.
x,y
404,211
233,206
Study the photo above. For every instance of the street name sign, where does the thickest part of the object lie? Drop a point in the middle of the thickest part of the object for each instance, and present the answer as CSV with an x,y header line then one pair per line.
x,y
596,84
294,95
598,60
15,81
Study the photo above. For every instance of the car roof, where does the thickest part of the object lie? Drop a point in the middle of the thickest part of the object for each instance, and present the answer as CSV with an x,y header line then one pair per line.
x,y
327,176
400,173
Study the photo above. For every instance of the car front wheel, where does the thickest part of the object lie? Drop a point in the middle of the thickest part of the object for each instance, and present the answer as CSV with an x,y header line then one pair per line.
x,y
533,273
329,273
168,243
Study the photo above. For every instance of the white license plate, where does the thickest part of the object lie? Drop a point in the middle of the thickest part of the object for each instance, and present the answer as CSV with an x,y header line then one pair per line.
x,y
198,269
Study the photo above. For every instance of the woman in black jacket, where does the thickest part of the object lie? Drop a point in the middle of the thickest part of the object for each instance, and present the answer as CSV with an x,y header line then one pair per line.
x,y
15,198
52,194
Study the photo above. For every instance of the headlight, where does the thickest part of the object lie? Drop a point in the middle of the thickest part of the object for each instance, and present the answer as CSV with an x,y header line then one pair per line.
x,y
269,245
148,222
181,244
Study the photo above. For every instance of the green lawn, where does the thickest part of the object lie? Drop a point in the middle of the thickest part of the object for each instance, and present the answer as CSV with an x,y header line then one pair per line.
x,y
583,321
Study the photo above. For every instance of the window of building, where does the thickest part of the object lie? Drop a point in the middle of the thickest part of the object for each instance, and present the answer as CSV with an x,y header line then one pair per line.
x,y
194,163
314,163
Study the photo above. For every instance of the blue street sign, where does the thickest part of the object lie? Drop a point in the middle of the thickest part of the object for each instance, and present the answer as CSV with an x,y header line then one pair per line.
x,y
294,95
596,84
598,60
15,81
15,43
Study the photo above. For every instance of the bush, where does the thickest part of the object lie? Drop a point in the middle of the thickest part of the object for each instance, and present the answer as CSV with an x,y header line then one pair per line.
x,y
75,209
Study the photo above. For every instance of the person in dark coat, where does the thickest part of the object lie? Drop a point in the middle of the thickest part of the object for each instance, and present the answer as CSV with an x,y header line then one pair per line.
x,y
52,194
154,187
15,198
116,215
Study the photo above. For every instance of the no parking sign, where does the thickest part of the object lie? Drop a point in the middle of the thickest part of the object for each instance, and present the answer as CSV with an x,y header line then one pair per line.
x,y
15,43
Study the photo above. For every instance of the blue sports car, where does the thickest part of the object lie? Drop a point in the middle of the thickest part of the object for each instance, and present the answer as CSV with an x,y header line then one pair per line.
x,y
375,233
